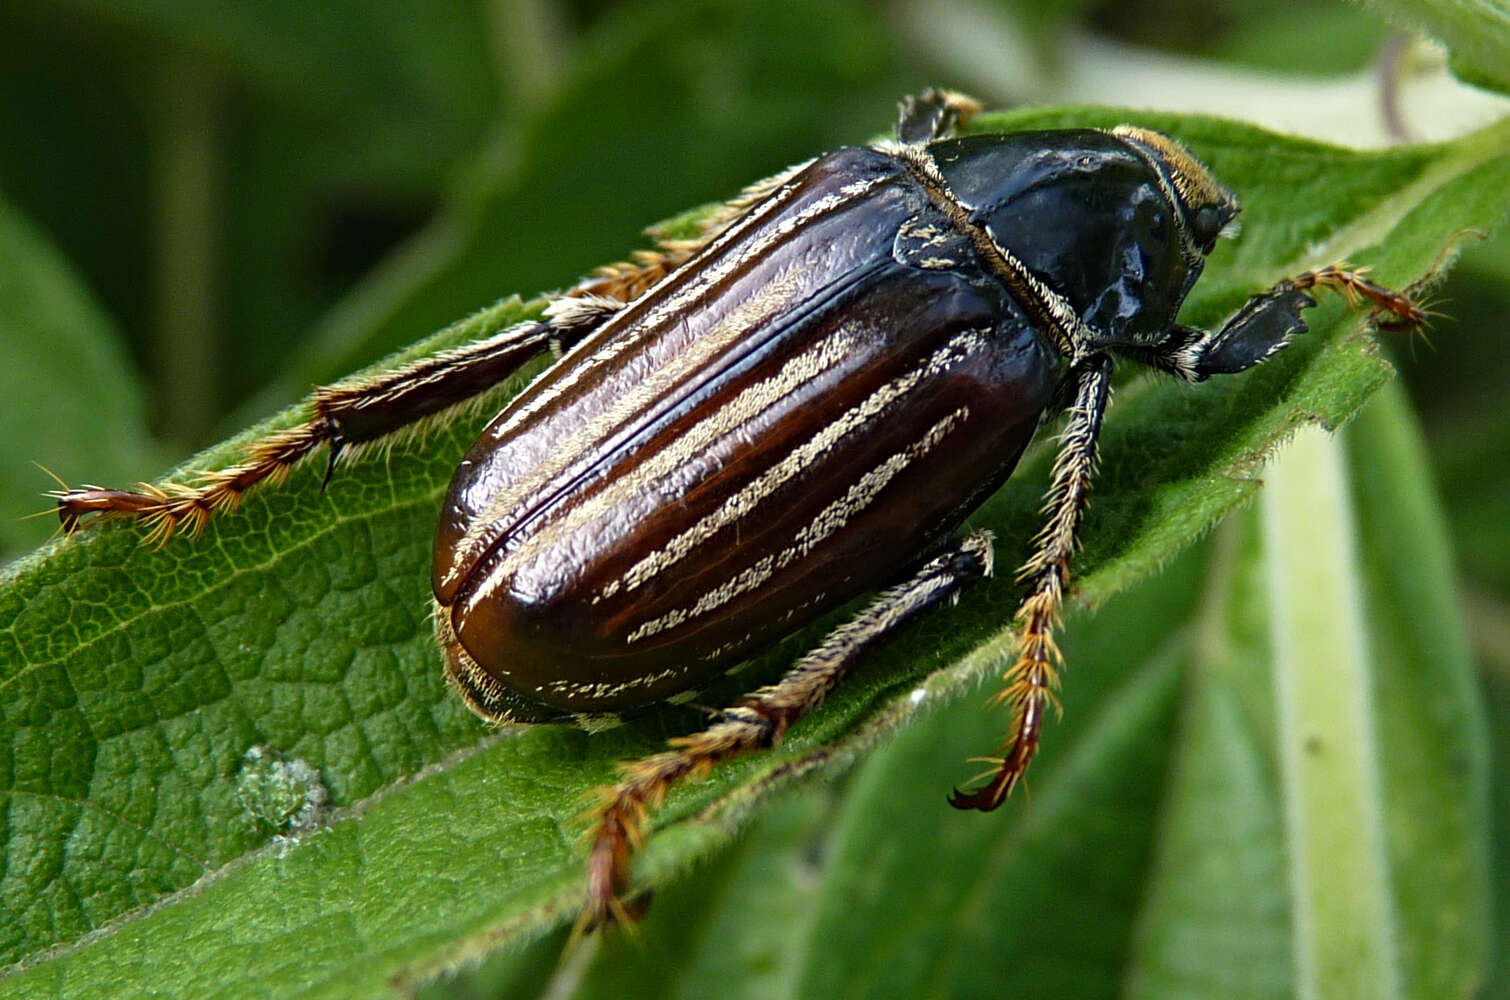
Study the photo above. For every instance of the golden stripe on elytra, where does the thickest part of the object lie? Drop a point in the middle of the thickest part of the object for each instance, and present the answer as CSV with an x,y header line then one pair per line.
x,y
609,689
829,520
693,448
775,298
608,342
747,500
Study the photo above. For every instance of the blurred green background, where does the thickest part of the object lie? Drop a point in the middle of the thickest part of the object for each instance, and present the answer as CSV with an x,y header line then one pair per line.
x,y
208,207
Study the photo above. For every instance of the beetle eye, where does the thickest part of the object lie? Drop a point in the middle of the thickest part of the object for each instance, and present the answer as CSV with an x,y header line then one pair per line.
x,y
1206,227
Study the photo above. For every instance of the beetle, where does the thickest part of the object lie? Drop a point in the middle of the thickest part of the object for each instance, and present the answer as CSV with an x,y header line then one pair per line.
x,y
797,406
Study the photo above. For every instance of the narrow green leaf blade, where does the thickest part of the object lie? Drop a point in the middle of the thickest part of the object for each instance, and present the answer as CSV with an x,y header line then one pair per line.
x,y
1328,842
72,400
1344,923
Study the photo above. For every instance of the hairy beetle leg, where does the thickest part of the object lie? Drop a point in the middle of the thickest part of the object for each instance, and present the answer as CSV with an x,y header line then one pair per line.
x,y
758,721
370,409
75,505
1355,287
1267,323
1032,682
356,412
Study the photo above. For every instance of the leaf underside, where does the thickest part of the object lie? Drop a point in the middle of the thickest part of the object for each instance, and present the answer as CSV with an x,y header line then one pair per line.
x,y
134,681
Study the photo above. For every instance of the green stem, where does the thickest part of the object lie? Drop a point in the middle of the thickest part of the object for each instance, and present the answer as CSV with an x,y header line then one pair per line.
x,y
1343,922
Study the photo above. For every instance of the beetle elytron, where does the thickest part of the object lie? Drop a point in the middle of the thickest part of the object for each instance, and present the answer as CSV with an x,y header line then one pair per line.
x,y
752,427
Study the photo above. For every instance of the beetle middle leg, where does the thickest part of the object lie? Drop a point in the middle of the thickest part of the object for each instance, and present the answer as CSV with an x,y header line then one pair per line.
x,y
1033,679
758,720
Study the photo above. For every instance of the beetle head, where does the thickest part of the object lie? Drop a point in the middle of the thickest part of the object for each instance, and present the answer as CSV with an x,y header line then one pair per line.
x,y
1207,208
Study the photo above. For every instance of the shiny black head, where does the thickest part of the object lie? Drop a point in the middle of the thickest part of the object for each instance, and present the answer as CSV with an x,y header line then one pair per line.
x,y
1116,223
1207,208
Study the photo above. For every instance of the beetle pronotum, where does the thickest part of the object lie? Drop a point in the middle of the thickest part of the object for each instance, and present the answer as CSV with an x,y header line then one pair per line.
x,y
801,404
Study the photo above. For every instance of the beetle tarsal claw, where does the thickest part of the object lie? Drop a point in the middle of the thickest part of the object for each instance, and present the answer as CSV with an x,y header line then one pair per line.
x,y
615,837
989,796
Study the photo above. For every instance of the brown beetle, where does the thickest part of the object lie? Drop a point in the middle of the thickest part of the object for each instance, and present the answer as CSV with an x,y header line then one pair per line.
x,y
800,405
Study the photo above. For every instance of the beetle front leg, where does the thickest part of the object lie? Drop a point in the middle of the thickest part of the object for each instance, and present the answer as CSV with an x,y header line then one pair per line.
x,y
758,720
1267,323
1033,680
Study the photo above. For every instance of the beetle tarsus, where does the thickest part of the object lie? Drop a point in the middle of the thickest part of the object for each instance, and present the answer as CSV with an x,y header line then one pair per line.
x,y
1355,288
75,506
172,507
1030,695
1268,322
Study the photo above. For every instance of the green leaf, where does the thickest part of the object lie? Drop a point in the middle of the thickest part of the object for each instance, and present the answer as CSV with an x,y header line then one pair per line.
x,y
136,681
1477,32
71,399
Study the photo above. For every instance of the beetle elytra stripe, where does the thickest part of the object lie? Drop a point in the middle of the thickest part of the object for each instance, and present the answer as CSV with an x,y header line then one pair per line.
x,y
833,517
619,419
746,501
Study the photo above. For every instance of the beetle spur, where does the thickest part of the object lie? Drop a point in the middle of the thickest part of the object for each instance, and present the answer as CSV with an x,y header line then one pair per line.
x,y
749,428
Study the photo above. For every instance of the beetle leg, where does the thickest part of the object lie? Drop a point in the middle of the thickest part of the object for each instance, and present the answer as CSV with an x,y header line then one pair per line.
x,y
758,720
368,409
1357,289
1033,680
627,281
358,411
934,114
1267,323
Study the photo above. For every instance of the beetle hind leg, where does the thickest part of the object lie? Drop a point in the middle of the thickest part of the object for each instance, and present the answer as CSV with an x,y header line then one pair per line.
x,y
1032,682
758,721
358,411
